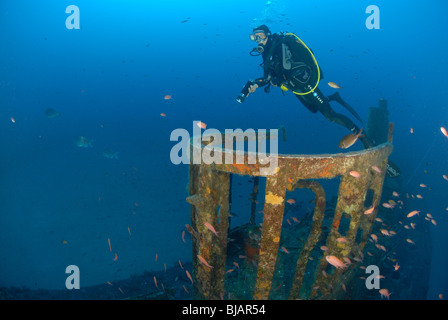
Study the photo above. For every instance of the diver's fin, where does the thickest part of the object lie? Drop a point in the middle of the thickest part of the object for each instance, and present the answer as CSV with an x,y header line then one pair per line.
x,y
336,97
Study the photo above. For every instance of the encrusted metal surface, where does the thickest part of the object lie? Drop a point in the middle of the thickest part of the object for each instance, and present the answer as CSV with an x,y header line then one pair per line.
x,y
209,196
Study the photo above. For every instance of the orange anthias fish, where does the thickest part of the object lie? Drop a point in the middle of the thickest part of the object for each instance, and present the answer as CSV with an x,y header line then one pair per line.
x,y
376,169
210,227
334,261
385,293
189,276
349,140
444,131
370,210
334,85
204,262
291,201
201,125
413,213
355,174
167,97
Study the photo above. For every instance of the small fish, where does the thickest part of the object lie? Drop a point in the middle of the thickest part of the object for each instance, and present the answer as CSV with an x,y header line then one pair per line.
x,y
334,85
82,142
374,237
444,131
50,113
413,213
185,289
64,241
13,120
334,261
341,240
167,97
155,282
445,177
396,266
433,222
210,227
291,201
201,125
377,169
410,241
419,196
189,276
388,205
163,115
116,257
107,153
108,241
204,262
284,250
385,293
370,210
183,236
180,264
423,185
411,131
324,248
355,174
385,232
349,140
395,194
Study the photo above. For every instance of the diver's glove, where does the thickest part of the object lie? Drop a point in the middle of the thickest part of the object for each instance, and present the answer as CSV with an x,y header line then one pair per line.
x,y
245,92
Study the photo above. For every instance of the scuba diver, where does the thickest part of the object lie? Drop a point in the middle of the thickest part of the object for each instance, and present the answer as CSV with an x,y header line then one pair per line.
x,y
290,64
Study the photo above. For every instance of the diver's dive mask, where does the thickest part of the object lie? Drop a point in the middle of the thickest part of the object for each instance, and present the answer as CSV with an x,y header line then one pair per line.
x,y
259,37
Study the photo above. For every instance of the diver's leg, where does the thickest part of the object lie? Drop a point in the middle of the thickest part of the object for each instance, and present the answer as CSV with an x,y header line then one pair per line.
x,y
322,104
309,105
337,97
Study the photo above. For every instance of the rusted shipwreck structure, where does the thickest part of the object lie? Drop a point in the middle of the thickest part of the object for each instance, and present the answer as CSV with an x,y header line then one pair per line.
x,y
210,187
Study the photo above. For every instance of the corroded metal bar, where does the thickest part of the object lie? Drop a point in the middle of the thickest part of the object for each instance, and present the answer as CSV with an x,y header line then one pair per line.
x,y
270,235
351,196
313,238
210,204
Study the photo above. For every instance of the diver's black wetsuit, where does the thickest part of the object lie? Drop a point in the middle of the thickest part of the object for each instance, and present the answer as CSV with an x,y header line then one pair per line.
x,y
302,80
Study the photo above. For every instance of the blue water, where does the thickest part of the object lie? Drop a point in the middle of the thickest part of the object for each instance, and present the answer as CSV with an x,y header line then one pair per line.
x,y
108,80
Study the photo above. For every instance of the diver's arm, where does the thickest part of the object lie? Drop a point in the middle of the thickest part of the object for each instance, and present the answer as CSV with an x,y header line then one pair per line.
x,y
260,82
